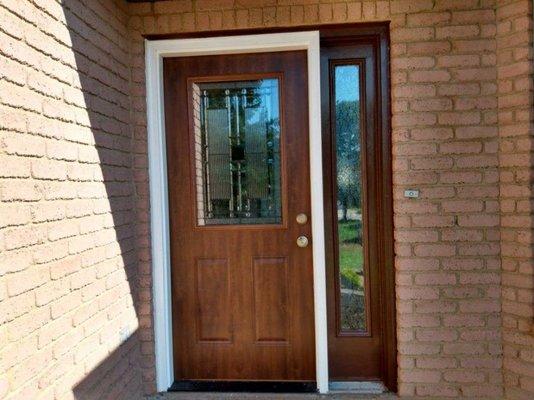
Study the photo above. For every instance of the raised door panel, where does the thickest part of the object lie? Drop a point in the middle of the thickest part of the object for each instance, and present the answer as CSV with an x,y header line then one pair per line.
x,y
214,316
271,320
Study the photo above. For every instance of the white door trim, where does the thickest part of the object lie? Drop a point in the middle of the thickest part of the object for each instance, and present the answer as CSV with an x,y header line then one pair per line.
x,y
155,50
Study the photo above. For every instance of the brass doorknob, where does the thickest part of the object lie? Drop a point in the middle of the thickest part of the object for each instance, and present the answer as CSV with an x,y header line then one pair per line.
x,y
302,219
302,241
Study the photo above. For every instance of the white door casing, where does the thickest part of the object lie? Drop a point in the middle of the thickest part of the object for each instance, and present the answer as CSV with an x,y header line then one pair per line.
x,y
155,51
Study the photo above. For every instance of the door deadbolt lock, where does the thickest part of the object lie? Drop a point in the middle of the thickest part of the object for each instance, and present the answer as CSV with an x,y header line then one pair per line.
x,y
302,241
302,219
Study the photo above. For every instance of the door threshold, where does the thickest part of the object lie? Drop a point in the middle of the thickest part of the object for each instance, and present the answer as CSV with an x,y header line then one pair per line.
x,y
244,386
357,387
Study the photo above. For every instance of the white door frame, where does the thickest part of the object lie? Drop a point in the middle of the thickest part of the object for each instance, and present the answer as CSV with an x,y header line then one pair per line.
x,y
155,50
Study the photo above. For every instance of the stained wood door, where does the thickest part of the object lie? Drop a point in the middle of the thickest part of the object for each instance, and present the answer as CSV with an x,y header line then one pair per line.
x,y
238,175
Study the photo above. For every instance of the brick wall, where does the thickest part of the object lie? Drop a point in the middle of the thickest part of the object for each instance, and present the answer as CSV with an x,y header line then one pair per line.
x,y
516,114
68,321
75,299
445,135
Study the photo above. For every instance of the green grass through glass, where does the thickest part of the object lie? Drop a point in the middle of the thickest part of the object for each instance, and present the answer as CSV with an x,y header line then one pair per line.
x,y
351,276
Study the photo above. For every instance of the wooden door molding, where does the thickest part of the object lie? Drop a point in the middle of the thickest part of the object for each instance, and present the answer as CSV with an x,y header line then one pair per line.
x,y
331,187
232,78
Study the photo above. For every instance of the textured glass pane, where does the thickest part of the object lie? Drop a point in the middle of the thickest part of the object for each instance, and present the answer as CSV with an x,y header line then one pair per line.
x,y
349,198
237,152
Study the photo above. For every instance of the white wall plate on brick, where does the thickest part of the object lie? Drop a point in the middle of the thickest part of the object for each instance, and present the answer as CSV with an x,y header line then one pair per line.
x,y
411,193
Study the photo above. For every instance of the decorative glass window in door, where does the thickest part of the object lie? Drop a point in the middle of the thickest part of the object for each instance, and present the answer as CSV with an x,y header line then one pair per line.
x,y
237,152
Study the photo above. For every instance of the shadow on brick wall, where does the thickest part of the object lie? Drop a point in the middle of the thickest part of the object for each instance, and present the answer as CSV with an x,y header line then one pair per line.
x,y
100,46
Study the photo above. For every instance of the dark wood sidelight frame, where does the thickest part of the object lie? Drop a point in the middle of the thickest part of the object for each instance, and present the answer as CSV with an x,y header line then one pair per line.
x,y
376,34
369,50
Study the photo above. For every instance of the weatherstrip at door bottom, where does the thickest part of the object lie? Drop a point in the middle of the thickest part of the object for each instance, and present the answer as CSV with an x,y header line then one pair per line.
x,y
244,386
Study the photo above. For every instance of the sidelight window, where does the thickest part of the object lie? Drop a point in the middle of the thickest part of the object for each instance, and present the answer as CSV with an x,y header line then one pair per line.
x,y
348,153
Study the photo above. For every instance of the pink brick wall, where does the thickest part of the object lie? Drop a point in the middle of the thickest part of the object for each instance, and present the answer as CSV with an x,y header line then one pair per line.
x,y
68,258
516,115
74,223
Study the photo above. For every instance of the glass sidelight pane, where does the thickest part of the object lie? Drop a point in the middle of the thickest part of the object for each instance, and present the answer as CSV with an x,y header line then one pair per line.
x,y
237,152
352,311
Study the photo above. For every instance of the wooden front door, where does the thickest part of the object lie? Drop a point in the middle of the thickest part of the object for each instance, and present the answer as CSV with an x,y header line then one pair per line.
x,y
238,177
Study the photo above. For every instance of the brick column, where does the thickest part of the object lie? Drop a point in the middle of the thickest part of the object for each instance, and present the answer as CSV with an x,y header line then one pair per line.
x,y
514,41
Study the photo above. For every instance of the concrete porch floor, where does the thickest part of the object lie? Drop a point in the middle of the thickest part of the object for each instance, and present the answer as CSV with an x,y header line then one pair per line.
x,y
270,396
